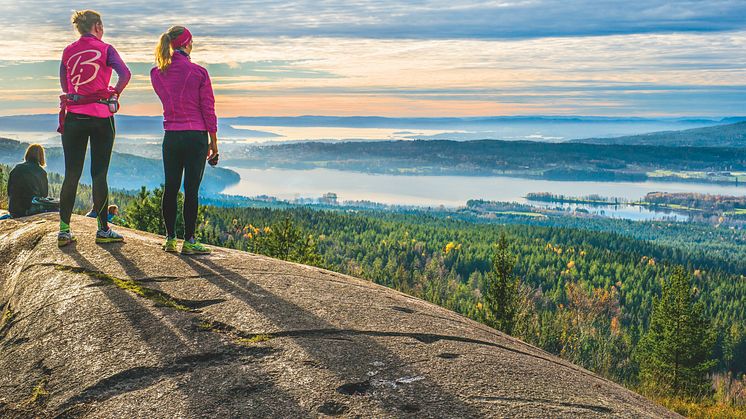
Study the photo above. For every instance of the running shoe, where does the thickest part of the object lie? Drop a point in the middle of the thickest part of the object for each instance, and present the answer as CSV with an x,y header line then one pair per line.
x,y
108,236
193,247
64,238
170,245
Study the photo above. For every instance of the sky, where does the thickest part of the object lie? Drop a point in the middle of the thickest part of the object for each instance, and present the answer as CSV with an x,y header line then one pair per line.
x,y
422,58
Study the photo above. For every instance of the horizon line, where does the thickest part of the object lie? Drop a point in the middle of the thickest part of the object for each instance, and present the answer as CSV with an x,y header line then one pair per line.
x,y
515,116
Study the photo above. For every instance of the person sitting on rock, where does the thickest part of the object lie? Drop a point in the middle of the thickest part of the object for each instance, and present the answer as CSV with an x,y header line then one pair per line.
x,y
114,217
28,180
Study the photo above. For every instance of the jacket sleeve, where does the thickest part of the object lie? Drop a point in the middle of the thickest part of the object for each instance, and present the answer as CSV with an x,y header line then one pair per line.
x,y
11,185
207,104
17,185
153,80
44,184
114,61
63,77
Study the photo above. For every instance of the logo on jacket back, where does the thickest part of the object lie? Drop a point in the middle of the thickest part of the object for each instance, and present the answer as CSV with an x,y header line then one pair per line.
x,y
83,67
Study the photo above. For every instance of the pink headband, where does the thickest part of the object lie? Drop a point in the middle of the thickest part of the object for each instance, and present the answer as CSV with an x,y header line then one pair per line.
x,y
182,40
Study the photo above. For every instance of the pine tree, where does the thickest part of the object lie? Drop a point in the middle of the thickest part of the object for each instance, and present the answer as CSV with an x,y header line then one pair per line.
x,y
675,354
286,241
144,212
501,295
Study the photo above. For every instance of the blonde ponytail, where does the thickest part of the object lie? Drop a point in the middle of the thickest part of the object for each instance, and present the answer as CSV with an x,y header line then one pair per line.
x,y
163,51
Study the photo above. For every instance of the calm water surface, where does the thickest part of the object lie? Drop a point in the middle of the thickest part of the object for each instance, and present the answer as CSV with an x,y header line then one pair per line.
x,y
451,191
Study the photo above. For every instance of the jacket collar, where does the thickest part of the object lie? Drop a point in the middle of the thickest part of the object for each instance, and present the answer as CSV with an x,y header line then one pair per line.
x,y
182,54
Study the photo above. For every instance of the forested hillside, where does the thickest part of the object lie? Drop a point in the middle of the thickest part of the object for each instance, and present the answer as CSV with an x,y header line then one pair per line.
x,y
563,161
732,135
586,296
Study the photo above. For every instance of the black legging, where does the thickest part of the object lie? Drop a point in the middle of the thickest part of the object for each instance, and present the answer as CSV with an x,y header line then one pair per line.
x,y
183,152
78,129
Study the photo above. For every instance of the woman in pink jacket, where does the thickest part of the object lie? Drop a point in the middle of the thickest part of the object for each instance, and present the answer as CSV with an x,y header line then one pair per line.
x,y
185,91
88,107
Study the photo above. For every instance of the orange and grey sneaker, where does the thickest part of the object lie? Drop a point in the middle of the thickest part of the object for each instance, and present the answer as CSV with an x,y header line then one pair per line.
x,y
64,238
170,245
193,247
108,236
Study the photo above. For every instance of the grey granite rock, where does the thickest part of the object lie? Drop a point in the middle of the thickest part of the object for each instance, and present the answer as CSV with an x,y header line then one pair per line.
x,y
127,330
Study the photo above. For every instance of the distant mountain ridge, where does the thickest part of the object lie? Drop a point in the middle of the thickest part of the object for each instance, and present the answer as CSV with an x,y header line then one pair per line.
x,y
154,122
539,128
127,125
731,135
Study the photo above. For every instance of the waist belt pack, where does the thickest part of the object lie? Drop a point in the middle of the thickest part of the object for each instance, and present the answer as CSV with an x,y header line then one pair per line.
x,y
107,97
75,99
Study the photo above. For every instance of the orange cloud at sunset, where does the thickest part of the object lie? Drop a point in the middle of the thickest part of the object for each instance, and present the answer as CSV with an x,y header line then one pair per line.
x,y
349,106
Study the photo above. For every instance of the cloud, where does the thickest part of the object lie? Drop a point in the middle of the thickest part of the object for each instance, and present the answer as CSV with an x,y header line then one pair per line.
x,y
410,58
387,19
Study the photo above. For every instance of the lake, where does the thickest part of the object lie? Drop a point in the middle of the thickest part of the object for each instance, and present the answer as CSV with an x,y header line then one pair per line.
x,y
451,191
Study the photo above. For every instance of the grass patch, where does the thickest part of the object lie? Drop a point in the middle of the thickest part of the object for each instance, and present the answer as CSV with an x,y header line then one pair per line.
x,y
677,173
37,394
521,214
656,205
237,336
737,211
696,175
7,316
206,325
6,320
701,409
158,297
254,339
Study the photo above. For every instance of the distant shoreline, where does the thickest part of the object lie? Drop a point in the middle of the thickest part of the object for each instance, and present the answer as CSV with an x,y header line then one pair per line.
x,y
518,175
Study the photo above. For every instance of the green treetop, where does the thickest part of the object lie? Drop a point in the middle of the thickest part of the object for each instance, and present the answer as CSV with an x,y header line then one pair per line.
x,y
502,289
676,353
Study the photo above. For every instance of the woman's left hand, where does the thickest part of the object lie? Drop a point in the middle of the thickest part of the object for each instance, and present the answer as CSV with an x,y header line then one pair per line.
x,y
212,150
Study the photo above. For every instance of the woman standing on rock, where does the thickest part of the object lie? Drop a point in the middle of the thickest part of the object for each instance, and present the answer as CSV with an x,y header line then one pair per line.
x,y
87,111
185,91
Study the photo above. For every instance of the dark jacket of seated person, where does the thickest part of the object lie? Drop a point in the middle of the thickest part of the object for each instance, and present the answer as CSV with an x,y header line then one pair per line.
x,y
26,181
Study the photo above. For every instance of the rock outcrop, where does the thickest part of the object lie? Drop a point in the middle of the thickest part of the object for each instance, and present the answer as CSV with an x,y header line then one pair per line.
x,y
127,330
